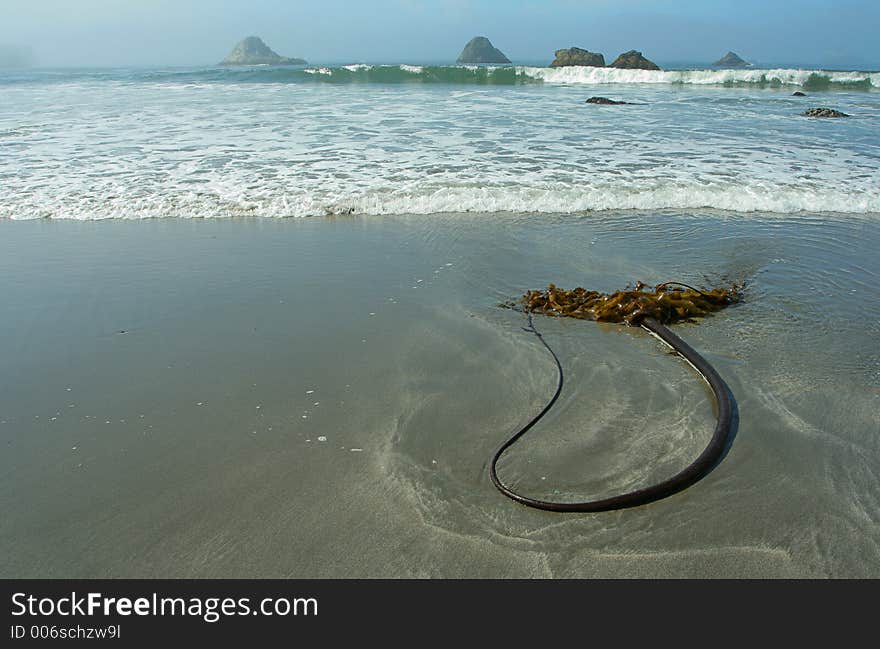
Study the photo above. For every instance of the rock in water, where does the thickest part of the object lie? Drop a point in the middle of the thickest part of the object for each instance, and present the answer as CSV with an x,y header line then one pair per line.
x,y
823,112
253,51
481,50
577,56
633,60
604,101
731,60
798,93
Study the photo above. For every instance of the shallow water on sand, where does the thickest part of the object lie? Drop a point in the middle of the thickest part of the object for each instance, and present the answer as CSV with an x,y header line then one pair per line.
x,y
320,398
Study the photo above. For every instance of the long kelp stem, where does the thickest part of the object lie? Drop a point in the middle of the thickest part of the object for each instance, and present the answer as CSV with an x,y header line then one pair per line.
x,y
710,456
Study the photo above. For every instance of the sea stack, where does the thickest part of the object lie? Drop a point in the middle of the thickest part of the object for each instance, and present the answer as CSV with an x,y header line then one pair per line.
x,y
633,60
253,51
731,60
577,56
481,50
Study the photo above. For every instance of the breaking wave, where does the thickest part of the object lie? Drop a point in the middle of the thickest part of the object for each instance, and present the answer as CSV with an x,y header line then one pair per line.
x,y
452,199
516,75
773,78
490,75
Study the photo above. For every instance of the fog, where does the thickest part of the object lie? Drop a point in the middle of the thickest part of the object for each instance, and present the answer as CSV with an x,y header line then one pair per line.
x,y
200,32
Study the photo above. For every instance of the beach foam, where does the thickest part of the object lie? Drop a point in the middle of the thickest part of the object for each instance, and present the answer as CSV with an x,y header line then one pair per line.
x,y
437,200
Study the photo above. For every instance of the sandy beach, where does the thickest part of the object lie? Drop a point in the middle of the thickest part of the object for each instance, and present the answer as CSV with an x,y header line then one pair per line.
x,y
320,398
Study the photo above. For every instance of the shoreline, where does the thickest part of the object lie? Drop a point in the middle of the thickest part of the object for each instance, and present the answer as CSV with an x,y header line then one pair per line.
x,y
697,212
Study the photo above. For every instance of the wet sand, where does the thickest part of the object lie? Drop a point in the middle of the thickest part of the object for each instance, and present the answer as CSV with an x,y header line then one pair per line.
x,y
320,398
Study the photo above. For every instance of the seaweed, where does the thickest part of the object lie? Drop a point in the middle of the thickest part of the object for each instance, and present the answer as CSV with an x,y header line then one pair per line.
x,y
667,303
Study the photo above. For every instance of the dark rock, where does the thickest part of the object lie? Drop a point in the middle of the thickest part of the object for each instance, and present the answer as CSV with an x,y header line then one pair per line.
x,y
731,60
577,56
798,94
253,51
824,112
481,50
633,60
604,101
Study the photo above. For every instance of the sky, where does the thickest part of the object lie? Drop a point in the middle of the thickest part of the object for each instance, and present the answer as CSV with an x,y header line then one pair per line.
x,y
201,32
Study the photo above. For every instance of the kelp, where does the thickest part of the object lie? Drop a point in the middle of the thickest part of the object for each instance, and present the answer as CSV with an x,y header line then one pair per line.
x,y
667,303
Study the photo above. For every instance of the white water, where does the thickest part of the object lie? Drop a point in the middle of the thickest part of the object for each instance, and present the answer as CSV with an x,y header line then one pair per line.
x,y
150,146
781,76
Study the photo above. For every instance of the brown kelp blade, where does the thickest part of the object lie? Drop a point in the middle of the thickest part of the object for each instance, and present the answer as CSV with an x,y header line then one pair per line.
x,y
667,303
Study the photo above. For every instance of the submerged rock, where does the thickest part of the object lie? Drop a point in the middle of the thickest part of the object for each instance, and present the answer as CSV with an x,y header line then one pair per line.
x,y
823,112
633,60
577,56
798,94
253,51
731,60
604,101
481,50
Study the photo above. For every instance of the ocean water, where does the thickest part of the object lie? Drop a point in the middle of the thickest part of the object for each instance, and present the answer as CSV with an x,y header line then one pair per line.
x,y
276,142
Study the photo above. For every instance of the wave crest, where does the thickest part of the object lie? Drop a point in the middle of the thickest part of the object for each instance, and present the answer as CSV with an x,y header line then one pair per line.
x,y
517,75
807,79
478,75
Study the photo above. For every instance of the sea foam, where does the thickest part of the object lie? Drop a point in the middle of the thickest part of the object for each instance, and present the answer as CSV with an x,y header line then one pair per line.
x,y
106,146
437,200
816,79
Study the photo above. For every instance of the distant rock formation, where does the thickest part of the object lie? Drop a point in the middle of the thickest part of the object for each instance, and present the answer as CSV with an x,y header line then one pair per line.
x,y
481,50
604,101
253,51
633,60
577,56
731,60
823,112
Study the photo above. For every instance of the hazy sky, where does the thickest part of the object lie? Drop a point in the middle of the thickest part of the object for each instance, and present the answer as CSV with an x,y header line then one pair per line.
x,y
194,32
